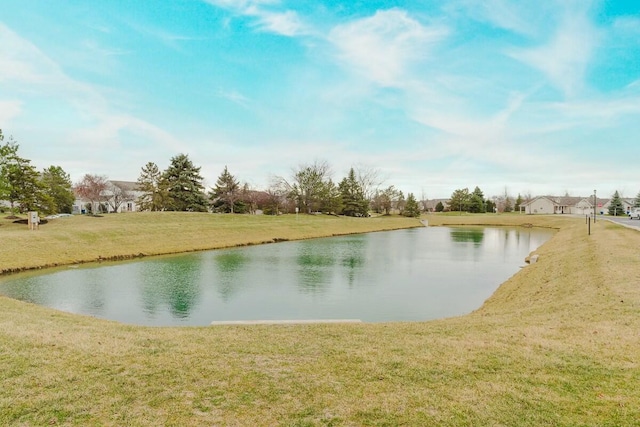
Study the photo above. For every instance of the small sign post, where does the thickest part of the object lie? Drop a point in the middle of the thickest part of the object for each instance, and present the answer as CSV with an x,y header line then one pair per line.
x,y
33,220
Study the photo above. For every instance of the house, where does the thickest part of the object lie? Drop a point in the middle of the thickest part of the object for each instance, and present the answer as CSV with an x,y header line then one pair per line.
x,y
627,205
570,205
119,196
559,205
432,204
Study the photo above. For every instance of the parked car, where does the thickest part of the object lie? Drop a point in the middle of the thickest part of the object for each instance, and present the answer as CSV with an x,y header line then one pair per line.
x,y
634,213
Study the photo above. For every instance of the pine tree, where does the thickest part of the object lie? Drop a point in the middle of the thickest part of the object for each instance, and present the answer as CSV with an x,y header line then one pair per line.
x,y
476,201
354,202
330,197
7,153
153,187
460,200
411,208
615,206
226,193
25,188
518,203
184,185
636,202
58,188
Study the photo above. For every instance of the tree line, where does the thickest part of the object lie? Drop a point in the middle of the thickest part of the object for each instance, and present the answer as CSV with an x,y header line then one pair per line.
x,y
27,189
309,189
475,202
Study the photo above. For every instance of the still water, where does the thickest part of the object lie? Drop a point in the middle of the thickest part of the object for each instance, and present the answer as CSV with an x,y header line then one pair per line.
x,y
414,274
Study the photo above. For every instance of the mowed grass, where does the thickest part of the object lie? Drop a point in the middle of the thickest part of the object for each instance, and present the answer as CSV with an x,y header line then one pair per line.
x,y
87,238
557,345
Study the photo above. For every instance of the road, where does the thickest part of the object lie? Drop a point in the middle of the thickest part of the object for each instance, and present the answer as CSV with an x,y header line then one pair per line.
x,y
624,220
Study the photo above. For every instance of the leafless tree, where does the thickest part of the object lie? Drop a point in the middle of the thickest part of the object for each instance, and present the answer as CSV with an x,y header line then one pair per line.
x,y
92,188
370,180
117,195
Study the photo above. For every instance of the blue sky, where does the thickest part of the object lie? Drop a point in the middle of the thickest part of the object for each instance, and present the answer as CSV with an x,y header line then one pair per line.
x,y
538,97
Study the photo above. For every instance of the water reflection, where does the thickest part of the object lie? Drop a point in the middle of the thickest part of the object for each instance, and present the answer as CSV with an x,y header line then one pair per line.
x,y
171,282
472,235
230,265
412,274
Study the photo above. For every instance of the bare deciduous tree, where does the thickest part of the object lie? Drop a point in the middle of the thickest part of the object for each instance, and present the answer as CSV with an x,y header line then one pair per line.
x,y
92,188
117,195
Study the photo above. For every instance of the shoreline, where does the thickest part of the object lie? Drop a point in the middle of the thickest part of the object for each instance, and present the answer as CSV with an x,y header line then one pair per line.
x,y
537,352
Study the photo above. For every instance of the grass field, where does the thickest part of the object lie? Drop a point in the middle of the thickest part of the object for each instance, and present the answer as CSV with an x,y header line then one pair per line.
x,y
556,345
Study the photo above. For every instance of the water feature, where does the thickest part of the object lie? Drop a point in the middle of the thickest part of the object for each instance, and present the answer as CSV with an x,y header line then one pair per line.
x,y
414,274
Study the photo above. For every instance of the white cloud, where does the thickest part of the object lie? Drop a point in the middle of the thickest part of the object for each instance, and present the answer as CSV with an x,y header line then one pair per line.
x,y
628,24
234,96
564,59
286,23
37,80
9,110
525,18
381,47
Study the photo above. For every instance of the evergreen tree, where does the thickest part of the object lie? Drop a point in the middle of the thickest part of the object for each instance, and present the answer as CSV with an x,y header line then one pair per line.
x,y
460,200
519,201
507,204
226,193
615,206
307,185
58,189
330,198
411,208
184,185
8,151
439,207
636,202
354,202
476,201
25,188
154,188
490,206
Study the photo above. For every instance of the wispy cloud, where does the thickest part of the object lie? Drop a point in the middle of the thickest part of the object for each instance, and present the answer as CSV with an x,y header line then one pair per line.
x,y
565,58
267,17
35,76
234,96
381,47
525,18
8,110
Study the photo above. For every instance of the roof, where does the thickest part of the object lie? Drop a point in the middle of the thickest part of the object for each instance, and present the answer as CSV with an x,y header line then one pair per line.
x,y
126,185
566,200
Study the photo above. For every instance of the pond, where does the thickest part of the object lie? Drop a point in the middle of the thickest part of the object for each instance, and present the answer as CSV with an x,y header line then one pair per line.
x,y
404,275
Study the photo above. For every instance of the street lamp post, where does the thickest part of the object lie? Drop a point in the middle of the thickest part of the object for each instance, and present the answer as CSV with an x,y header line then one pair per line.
x,y
595,204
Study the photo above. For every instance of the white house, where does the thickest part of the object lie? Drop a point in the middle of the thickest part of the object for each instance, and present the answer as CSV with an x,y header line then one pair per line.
x,y
570,205
120,196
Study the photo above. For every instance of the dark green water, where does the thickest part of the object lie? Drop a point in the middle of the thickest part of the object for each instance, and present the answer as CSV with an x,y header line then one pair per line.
x,y
414,274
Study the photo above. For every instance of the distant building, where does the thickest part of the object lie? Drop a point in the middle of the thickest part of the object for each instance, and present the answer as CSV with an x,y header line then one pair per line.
x,y
569,205
120,196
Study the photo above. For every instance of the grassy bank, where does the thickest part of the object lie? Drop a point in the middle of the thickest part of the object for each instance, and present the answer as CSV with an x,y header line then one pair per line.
x,y
557,344
86,238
